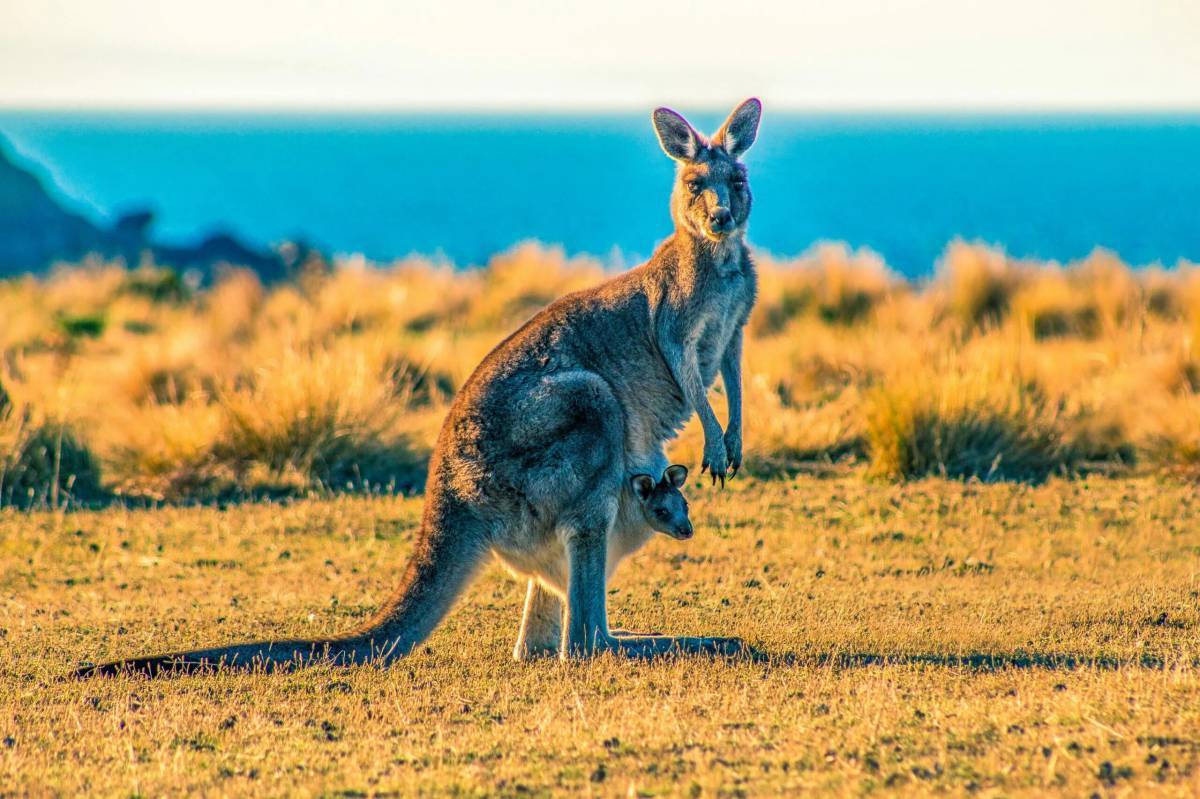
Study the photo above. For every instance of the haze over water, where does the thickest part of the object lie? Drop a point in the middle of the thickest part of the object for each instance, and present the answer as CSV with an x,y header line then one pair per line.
x,y
467,186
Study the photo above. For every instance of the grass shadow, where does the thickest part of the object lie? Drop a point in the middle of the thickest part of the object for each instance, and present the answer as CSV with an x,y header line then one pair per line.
x,y
974,661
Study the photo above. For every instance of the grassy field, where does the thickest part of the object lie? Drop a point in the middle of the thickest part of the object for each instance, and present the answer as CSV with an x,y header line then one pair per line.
x,y
927,637
966,542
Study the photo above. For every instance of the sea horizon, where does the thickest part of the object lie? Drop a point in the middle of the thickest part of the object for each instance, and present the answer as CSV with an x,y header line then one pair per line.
x,y
459,186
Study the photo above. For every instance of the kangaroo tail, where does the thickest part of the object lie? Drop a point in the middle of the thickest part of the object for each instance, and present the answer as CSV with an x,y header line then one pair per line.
x,y
443,564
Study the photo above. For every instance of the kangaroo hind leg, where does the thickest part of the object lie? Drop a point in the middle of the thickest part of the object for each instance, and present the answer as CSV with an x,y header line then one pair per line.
x,y
541,624
585,534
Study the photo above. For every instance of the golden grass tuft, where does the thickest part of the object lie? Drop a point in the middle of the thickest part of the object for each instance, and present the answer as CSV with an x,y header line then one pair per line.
x,y
829,282
43,462
166,453
975,284
519,283
1097,296
977,424
326,419
1173,437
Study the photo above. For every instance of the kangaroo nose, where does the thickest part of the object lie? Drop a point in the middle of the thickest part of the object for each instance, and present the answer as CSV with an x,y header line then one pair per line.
x,y
720,218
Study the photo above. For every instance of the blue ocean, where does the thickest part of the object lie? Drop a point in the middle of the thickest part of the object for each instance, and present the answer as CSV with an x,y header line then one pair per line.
x,y
462,187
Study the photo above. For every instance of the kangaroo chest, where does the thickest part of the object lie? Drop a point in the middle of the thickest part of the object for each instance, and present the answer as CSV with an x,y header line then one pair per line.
x,y
532,551
719,313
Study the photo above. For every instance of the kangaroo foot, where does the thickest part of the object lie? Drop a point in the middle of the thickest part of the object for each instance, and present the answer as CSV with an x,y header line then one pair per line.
x,y
653,646
524,652
658,645
634,634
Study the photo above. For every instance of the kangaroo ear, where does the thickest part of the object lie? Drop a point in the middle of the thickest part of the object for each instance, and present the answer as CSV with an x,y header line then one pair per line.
x,y
676,475
741,129
643,485
675,135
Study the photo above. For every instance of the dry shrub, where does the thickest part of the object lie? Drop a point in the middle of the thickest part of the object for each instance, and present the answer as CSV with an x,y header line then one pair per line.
x,y
167,453
1176,447
84,288
166,369
326,419
1050,305
27,324
410,295
303,421
42,462
1112,289
353,298
1189,302
230,308
518,283
1168,432
1172,369
982,424
783,440
975,284
830,283
1094,297
157,284
1161,292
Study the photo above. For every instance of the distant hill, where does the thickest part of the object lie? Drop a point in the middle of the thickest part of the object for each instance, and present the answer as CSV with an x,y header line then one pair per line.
x,y
34,229
37,231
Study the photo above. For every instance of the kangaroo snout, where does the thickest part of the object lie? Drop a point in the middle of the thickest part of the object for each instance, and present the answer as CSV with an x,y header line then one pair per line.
x,y
683,532
720,220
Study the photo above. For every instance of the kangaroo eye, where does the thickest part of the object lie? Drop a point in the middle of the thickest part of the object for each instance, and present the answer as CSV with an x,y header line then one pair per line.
x,y
739,183
661,513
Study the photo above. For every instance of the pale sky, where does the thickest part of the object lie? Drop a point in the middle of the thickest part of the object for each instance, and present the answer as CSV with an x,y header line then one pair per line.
x,y
455,54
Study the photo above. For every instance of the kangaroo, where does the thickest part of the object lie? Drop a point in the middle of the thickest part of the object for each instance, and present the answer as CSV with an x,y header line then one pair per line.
x,y
647,507
664,509
534,459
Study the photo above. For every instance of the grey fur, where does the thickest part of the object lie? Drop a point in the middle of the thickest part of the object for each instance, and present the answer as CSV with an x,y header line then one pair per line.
x,y
534,460
649,506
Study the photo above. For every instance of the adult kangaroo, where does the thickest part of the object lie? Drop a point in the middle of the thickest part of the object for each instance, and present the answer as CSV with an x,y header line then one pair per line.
x,y
534,461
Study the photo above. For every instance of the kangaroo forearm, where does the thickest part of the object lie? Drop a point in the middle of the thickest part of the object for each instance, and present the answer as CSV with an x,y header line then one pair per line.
x,y
731,376
698,399
686,372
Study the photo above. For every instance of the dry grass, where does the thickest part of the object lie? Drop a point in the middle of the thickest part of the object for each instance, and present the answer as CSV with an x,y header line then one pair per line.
x,y
923,638
42,462
996,369
830,283
965,424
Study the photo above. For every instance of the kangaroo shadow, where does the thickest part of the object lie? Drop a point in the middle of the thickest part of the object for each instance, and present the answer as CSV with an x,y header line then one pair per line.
x,y
970,661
